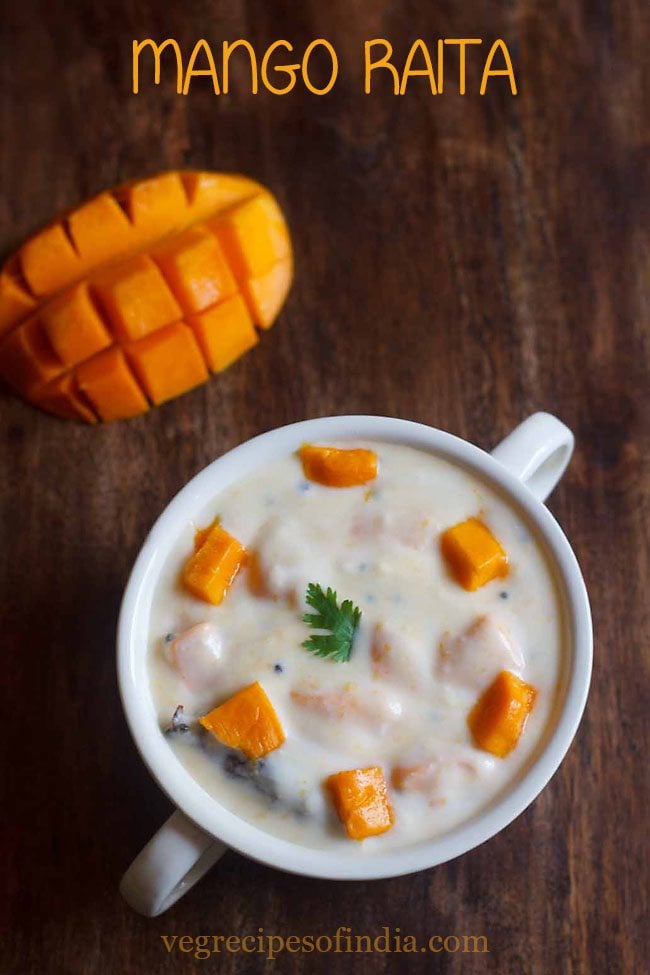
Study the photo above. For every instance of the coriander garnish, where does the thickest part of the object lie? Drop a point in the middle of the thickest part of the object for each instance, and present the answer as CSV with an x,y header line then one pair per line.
x,y
341,621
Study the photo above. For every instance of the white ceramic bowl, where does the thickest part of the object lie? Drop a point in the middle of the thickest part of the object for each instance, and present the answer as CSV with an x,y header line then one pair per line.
x,y
524,467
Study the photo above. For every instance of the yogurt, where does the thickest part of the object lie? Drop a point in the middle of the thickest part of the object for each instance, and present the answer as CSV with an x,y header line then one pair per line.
x,y
424,651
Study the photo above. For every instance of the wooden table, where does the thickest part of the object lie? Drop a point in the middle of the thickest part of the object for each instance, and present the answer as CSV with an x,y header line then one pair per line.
x,y
460,261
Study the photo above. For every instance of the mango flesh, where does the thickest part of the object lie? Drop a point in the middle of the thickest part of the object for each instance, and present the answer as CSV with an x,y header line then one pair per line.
x,y
246,721
140,293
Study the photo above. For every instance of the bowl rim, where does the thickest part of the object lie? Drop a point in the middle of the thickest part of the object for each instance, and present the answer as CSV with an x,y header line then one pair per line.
x,y
185,792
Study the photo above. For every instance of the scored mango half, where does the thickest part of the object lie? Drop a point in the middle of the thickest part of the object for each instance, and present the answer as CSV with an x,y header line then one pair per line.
x,y
139,294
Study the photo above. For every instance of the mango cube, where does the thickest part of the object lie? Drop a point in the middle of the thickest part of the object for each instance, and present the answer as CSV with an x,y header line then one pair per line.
x,y
266,293
211,570
473,554
64,398
360,798
74,326
253,235
224,332
109,384
497,719
100,229
155,206
335,467
136,298
246,721
196,269
27,358
168,362
15,302
49,261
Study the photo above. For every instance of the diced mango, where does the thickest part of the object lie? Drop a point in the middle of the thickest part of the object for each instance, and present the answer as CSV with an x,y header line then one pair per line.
x,y
167,362
156,206
360,798
473,554
335,467
74,327
201,534
129,264
15,301
253,235
109,384
211,570
224,332
247,721
100,230
27,359
209,192
497,719
62,397
49,261
266,293
195,269
136,298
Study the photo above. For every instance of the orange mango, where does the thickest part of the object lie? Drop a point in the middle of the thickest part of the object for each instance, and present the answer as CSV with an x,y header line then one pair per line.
x,y
194,266
29,355
497,719
15,300
167,362
360,798
49,260
195,262
155,207
334,467
473,554
62,396
136,298
253,236
98,229
211,570
246,721
267,292
110,386
224,332
74,327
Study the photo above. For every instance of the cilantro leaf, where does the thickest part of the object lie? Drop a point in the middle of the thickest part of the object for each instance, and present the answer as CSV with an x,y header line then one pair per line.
x,y
341,621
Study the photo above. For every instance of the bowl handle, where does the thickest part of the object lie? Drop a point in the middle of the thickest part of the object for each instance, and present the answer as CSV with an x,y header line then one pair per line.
x,y
172,861
537,452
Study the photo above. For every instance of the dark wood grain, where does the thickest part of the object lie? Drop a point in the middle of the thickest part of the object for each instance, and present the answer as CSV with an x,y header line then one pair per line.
x,y
460,261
